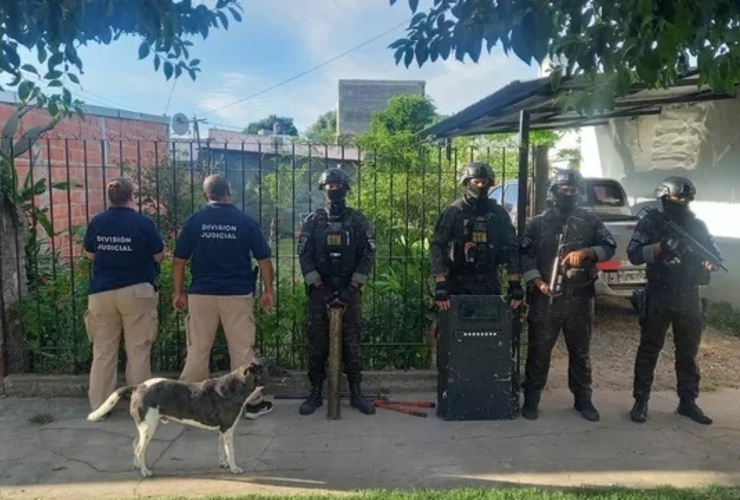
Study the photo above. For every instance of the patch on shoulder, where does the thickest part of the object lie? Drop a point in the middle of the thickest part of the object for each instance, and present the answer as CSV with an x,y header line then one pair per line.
x,y
302,241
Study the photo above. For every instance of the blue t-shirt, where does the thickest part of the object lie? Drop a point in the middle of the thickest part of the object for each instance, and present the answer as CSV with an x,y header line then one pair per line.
x,y
124,243
221,240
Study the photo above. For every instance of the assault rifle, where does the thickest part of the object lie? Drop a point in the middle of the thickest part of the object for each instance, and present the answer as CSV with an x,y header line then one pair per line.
x,y
557,271
693,246
555,287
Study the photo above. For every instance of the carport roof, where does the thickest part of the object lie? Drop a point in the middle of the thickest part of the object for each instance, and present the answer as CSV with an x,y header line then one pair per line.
x,y
499,112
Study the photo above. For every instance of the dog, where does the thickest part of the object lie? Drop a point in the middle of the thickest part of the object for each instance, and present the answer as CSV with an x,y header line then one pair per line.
x,y
216,404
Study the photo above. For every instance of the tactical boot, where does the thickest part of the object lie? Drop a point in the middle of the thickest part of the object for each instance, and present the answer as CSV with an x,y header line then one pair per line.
x,y
587,409
357,400
639,411
530,406
313,401
689,408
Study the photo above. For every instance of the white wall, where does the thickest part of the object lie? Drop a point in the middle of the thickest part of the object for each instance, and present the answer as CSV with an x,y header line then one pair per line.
x,y
701,142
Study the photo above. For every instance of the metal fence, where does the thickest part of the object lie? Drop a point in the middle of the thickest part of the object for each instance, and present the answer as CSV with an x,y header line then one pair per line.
x,y
53,189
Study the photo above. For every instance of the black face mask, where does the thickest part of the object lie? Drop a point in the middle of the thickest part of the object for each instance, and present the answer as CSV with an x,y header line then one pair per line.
x,y
477,197
565,204
678,211
336,200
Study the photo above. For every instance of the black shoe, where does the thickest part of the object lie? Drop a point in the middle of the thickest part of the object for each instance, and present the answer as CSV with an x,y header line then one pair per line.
x,y
587,409
530,406
357,400
688,408
639,411
256,411
314,400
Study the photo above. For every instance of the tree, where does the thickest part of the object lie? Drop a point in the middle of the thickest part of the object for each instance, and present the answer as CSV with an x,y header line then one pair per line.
x,y
324,130
55,29
612,43
267,123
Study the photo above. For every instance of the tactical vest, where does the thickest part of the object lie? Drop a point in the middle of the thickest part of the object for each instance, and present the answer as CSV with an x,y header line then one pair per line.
x,y
336,247
473,249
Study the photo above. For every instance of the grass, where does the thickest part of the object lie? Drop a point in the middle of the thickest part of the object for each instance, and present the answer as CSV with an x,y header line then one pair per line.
x,y
724,317
41,419
513,493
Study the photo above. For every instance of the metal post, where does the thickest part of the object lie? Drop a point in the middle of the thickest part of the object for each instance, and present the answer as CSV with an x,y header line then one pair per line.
x,y
521,222
523,177
541,174
3,309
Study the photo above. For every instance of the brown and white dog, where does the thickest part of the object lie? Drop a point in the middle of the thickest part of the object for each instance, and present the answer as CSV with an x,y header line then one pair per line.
x,y
216,404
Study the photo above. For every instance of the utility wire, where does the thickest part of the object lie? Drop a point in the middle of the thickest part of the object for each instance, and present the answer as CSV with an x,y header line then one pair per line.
x,y
299,75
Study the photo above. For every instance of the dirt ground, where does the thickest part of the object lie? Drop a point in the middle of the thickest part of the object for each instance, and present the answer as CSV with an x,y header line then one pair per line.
x,y
615,342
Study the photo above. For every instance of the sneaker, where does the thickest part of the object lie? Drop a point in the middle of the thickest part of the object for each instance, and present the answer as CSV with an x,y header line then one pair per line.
x,y
256,411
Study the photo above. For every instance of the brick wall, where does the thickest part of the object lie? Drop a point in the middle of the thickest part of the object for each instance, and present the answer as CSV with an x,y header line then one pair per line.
x,y
87,153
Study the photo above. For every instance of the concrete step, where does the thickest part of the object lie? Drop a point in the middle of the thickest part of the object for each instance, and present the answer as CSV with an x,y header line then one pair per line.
x,y
374,382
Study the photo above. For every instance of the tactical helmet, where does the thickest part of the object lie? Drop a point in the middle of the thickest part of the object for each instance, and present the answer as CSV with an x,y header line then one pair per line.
x,y
565,202
675,186
477,169
566,178
334,176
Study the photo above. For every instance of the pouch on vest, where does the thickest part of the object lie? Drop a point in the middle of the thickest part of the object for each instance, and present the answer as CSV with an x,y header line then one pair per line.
x,y
336,259
475,252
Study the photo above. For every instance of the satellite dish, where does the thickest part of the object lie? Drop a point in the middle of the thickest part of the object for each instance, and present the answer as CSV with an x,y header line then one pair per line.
x,y
180,124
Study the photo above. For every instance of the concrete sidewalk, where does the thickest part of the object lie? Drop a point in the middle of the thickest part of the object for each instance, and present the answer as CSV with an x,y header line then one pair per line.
x,y
284,452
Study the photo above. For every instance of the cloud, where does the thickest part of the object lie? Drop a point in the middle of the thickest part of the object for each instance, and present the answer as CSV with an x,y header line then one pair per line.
x,y
220,105
325,29
276,42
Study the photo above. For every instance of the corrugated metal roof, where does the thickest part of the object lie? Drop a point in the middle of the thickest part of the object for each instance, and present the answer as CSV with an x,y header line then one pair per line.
x,y
500,111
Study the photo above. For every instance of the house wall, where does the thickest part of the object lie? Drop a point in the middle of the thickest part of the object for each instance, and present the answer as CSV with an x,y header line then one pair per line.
x,y
87,152
700,141
358,99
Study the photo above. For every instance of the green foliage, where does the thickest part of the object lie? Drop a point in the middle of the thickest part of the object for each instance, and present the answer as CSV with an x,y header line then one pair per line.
x,y
20,200
398,306
324,131
55,29
725,317
168,193
267,123
517,493
627,41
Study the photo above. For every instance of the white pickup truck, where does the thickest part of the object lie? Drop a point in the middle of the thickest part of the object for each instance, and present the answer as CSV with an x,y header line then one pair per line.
x,y
608,200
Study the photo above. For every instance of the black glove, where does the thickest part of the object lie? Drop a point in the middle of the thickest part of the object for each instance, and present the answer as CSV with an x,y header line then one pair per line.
x,y
345,294
441,292
670,245
515,290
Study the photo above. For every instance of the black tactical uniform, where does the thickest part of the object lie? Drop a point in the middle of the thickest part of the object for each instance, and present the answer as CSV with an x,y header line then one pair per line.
x,y
573,309
337,253
671,297
472,240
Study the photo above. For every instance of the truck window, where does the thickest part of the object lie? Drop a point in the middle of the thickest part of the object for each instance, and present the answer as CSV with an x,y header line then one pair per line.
x,y
511,194
606,194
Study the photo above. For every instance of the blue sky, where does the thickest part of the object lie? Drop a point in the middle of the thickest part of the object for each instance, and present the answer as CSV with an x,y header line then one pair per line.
x,y
275,41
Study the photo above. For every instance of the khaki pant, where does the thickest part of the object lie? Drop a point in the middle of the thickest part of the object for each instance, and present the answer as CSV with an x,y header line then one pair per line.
x,y
235,313
133,310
